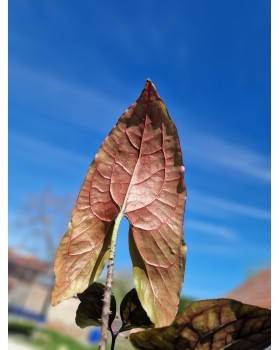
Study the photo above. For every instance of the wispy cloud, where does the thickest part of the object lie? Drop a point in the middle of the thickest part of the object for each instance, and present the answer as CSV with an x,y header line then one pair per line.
x,y
231,250
210,151
70,101
209,204
212,229
45,153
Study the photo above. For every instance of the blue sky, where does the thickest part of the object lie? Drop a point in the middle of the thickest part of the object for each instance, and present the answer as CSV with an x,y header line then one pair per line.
x,y
75,67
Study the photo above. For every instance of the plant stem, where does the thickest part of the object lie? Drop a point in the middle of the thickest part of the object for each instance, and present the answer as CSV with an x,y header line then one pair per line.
x,y
109,279
113,338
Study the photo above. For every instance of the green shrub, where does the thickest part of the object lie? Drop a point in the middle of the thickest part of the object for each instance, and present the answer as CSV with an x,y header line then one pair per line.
x,y
21,328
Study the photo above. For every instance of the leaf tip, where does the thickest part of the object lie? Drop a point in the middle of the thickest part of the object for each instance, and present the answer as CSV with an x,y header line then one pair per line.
x,y
148,84
54,301
150,90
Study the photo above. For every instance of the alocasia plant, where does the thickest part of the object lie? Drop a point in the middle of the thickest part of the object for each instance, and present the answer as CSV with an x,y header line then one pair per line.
x,y
139,173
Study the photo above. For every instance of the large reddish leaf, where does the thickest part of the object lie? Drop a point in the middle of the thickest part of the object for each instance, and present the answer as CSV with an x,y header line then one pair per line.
x,y
138,172
211,324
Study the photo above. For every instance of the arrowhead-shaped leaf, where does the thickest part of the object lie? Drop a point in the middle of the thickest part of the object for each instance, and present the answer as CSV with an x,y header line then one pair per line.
x,y
211,324
89,311
132,313
138,171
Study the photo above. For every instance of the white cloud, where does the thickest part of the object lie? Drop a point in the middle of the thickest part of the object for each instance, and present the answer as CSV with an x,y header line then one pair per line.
x,y
212,229
70,101
230,250
208,204
211,152
45,153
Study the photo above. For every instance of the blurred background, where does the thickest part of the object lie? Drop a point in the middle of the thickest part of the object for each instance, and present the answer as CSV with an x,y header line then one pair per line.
x,y
74,67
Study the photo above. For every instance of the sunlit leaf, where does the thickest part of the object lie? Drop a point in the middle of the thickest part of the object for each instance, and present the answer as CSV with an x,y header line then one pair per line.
x,y
132,313
138,172
89,311
211,324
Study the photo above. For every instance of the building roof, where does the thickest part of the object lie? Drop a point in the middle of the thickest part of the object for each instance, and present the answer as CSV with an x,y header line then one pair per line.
x,y
27,261
256,290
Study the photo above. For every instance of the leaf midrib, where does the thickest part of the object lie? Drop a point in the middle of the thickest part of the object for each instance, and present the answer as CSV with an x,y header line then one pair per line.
x,y
122,211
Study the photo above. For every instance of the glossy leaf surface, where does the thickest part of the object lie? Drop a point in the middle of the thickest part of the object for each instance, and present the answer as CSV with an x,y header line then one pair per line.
x,y
132,313
89,311
211,324
139,172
